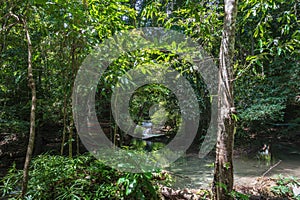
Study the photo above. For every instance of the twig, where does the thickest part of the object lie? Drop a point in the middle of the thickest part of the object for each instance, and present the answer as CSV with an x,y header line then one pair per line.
x,y
10,14
178,175
275,165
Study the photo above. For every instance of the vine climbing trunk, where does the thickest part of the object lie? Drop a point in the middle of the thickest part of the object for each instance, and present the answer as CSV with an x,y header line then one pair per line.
x,y
223,176
31,84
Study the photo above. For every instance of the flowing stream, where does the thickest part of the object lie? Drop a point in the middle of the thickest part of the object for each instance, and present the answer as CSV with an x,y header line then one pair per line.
x,y
192,172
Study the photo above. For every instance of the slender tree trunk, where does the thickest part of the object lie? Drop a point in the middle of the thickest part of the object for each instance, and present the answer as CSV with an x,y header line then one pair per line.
x,y
77,145
31,84
65,125
71,125
223,177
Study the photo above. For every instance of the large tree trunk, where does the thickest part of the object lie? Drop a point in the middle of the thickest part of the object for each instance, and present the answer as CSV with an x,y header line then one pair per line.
x,y
31,84
223,177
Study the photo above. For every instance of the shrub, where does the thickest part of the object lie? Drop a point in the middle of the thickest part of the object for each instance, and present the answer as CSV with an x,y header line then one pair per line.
x,y
83,177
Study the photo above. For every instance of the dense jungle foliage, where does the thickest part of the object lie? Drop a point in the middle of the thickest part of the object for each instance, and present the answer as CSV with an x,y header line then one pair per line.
x,y
64,32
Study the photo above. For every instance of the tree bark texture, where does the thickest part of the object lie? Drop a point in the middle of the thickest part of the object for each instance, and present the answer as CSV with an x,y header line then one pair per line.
x,y
223,176
31,84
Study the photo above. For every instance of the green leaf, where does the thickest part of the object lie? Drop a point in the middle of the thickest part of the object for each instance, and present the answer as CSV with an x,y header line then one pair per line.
x,y
121,180
279,51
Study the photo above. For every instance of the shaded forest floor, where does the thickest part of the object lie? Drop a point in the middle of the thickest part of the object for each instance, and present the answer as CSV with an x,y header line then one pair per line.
x,y
261,189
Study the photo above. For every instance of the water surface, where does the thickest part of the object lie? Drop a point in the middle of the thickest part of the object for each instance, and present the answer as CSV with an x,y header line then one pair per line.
x,y
192,172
